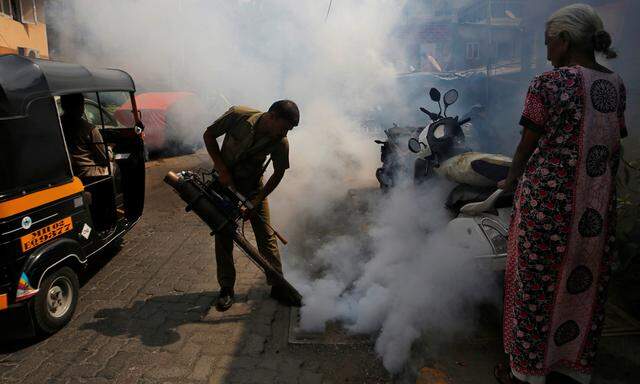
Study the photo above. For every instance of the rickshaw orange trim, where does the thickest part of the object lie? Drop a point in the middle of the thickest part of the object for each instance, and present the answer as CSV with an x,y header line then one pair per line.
x,y
33,200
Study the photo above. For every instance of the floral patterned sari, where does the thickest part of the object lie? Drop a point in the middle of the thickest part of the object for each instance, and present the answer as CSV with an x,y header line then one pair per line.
x,y
562,232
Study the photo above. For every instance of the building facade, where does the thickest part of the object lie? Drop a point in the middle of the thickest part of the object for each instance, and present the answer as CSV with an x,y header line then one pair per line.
x,y
23,28
490,35
477,35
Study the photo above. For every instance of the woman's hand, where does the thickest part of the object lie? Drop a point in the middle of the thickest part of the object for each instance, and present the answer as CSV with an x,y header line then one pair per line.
x,y
506,185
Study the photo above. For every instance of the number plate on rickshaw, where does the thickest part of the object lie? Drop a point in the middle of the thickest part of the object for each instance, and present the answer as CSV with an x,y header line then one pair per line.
x,y
45,234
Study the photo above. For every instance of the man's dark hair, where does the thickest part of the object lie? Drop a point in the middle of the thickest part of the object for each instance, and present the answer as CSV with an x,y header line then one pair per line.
x,y
287,110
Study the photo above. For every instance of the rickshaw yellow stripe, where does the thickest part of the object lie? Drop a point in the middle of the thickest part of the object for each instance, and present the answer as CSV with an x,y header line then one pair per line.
x,y
33,200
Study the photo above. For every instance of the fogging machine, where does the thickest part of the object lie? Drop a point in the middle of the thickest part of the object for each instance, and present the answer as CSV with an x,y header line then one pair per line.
x,y
220,207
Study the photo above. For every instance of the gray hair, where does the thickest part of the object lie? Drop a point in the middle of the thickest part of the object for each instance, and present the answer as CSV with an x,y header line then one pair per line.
x,y
583,27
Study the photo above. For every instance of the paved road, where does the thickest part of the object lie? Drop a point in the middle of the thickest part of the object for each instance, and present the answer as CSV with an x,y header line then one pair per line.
x,y
145,316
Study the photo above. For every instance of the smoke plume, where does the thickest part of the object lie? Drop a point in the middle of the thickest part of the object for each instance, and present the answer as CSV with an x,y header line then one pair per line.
x,y
381,271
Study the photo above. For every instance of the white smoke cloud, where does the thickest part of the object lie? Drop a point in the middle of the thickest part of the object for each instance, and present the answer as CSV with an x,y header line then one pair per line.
x,y
398,278
387,271
253,53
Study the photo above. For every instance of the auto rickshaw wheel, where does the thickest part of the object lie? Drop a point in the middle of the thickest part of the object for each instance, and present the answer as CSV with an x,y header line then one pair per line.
x,y
56,301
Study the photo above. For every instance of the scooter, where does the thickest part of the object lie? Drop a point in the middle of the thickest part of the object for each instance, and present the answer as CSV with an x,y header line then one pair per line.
x,y
397,161
481,215
483,228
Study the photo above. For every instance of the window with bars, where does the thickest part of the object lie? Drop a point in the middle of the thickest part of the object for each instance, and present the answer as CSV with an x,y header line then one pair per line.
x,y
23,11
473,51
5,8
28,11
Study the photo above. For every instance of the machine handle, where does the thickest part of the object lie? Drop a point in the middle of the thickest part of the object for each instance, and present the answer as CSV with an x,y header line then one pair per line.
x,y
278,235
174,180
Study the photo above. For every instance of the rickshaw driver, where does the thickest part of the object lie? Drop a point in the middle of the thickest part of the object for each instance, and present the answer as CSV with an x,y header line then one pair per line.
x,y
250,136
90,158
88,153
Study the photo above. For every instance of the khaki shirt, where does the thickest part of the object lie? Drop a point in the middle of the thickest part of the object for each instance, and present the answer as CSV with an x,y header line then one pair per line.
x,y
241,152
89,156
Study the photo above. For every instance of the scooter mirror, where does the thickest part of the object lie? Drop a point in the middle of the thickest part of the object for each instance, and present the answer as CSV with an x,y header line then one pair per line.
x,y
450,97
414,145
435,95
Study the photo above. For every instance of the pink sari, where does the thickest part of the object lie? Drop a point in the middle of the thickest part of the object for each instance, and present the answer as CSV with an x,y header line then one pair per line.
x,y
559,254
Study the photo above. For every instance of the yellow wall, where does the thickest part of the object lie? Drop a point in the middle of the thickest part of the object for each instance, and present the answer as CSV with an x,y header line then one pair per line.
x,y
14,34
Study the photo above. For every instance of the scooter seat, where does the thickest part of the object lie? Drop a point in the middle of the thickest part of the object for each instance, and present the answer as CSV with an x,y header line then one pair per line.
x,y
474,168
463,194
491,170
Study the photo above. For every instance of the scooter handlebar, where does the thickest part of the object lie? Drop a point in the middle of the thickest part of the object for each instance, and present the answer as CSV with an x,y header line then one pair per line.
x,y
432,116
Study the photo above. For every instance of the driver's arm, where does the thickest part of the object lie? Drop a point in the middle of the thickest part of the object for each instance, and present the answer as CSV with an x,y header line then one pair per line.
x,y
101,152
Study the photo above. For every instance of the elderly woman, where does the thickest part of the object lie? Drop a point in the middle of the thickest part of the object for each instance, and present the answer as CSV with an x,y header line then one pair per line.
x,y
561,237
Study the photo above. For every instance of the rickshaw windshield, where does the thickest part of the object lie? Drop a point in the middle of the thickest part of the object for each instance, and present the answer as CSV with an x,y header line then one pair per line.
x,y
32,150
106,109
115,109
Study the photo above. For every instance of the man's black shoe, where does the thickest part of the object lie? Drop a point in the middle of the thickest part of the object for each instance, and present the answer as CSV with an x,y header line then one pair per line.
x,y
225,299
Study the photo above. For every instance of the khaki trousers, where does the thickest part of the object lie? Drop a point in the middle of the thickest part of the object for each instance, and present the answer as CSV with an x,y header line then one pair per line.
x,y
265,238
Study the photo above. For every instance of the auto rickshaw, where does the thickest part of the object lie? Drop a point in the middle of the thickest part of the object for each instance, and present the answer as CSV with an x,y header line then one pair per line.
x,y
53,222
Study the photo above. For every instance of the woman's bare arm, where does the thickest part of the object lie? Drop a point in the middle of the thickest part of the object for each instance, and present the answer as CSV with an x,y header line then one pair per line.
x,y
526,147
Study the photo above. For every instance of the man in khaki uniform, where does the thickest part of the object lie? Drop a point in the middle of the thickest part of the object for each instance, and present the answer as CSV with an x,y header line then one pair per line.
x,y
250,136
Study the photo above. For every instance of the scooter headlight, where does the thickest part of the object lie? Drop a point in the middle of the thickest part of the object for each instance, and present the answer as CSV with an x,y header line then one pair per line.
x,y
496,238
439,131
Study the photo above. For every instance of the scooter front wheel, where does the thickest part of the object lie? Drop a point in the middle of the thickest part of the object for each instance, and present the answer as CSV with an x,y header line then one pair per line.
x,y
381,178
421,170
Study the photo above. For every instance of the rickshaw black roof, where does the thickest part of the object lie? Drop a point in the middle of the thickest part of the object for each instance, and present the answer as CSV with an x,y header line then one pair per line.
x,y
24,79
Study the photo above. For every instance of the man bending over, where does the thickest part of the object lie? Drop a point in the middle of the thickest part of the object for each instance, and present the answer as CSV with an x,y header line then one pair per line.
x,y
250,137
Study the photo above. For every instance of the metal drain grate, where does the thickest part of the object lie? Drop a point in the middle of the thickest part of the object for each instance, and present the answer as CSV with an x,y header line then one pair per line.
x,y
334,334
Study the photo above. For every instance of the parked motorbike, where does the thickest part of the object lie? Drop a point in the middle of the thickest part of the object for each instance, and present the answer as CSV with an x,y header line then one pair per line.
x,y
481,214
397,161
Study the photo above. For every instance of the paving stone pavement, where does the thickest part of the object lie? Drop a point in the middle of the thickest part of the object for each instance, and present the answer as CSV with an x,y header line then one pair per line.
x,y
145,316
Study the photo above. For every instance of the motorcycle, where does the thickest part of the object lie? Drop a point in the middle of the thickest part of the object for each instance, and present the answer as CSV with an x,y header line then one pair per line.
x,y
481,215
397,161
